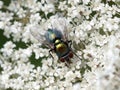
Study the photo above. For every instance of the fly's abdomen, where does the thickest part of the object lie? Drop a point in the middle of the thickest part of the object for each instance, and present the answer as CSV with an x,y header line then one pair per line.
x,y
61,49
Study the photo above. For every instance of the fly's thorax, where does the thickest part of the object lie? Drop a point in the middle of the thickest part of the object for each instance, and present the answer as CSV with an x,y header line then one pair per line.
x,y
61,47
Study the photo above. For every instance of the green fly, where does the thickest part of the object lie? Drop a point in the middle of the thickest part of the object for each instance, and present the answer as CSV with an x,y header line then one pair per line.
x,y
61,47
57,41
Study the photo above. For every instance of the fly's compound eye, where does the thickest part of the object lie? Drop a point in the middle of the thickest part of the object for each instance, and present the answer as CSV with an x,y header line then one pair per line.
x,y
70,54
62,59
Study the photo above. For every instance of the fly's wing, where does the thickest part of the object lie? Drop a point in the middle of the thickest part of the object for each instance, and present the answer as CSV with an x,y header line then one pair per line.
x,y
62,25
40,36
37,35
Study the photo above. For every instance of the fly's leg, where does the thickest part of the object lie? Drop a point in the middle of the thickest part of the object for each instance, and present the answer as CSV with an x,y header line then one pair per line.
x,y
76,55
67,64
68,60
70,41
51,50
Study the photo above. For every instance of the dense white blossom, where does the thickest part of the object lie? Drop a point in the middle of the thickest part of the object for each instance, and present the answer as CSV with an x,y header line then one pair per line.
x,y
92,25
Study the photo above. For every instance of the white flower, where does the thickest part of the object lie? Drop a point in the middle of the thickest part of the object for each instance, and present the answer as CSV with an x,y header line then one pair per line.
x,y
70,76
14,6
62,5
48,8
35,18
8,48
1,4
92,25
76,86
1,25
86,1
16,28
22,54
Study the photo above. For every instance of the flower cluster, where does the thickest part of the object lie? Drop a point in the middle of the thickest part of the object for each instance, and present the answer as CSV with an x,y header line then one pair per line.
x,y
92,25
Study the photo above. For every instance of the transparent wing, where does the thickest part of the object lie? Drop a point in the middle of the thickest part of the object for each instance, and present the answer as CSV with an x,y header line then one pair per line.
x,y
37,35
62,25
40,36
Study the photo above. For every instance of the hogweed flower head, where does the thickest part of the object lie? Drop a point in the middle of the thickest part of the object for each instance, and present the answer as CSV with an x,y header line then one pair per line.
x,y
92,25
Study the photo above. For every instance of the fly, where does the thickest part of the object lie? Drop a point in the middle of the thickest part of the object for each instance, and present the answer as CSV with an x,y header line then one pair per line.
x,y
57,41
